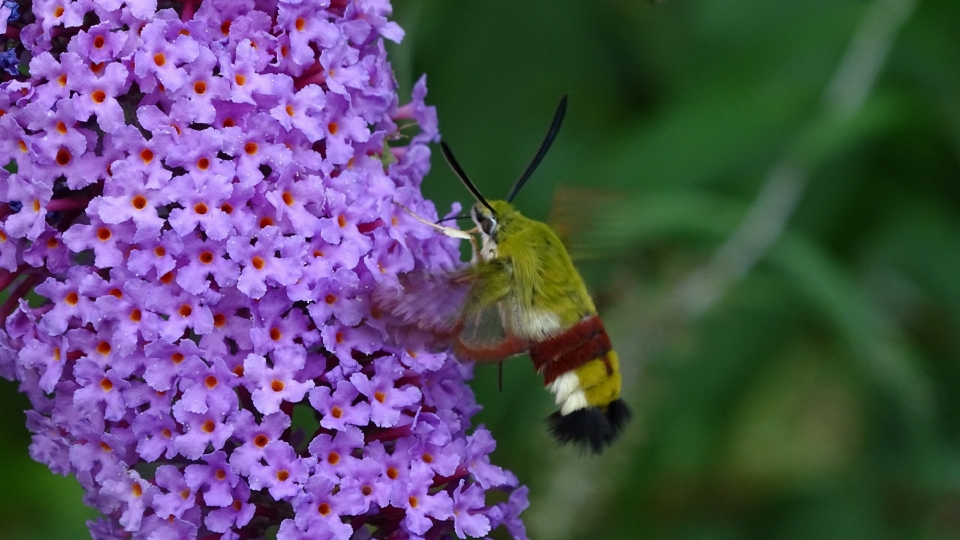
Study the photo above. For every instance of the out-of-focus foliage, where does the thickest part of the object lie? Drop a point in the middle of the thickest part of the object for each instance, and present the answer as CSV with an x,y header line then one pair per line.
x,y
815,396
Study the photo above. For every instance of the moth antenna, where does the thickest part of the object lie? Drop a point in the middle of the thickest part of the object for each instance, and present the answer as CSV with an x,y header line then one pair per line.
x,y
461,216
544,146
458,170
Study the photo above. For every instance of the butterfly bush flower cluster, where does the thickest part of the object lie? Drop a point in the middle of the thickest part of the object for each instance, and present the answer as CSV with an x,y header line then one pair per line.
x,y
198,198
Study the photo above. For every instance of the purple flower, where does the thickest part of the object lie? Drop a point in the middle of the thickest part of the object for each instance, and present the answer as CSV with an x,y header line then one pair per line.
x,y
284,473
386,400
268,386
338,410
199,195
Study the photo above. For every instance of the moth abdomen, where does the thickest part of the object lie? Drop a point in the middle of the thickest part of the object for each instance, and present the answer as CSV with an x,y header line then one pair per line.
x,y
580,367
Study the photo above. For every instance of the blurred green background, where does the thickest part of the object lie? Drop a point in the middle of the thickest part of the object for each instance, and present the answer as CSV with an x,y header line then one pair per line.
x,y
765,199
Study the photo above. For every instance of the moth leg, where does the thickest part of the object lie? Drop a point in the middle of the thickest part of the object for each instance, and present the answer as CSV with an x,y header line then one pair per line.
x,y
510,346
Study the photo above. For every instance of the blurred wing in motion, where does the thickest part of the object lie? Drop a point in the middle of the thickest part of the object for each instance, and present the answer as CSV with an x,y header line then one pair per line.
x,y
575,211
448,306
429,301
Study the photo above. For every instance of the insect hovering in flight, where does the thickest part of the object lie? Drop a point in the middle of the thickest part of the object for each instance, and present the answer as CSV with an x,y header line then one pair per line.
x,y
522,294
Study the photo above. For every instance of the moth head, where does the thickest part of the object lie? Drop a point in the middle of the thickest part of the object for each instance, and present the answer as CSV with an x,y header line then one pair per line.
x,y
485,219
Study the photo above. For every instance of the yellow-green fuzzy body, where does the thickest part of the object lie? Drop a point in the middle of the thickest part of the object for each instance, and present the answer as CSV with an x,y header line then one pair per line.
x,y
524,269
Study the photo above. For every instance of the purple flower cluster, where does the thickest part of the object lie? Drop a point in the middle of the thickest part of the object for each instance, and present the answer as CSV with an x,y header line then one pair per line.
x,y
201,196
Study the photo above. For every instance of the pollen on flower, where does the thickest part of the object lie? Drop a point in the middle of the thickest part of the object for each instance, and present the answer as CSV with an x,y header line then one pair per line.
x,y
289,109
288,198
98,96
159,59
106,384
336,412
208,426
332,128
261,440
58,12
380,396
392,473
210,381
240,79
226,208
251,148
200,208
99,42
184,494
220,474
146,156
185,310
166,433
116,293
56,354
200,87
323,509
428,458
265,221
22,145
177,357
225,27
139,202
62,80
104,348
276,334
104,234
206,257
333,458
258,262
366,490
219,320
159,251
71,298
277,386
414,502
167,278
203,163
342,221
135,315
61,128
330,298
283,475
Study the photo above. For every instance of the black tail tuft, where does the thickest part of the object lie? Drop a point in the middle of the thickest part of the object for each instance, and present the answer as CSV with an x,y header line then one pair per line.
x,y
592,427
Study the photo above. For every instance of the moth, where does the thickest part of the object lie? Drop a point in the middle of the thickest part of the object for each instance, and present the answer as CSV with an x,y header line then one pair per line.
x,y
521,294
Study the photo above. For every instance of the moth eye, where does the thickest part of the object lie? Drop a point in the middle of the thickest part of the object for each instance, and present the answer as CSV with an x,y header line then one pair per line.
x,y
488,225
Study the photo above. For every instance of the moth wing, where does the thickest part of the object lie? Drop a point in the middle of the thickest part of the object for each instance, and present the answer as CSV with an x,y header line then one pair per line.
x,y
574,215
484,337
448,305
431,301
